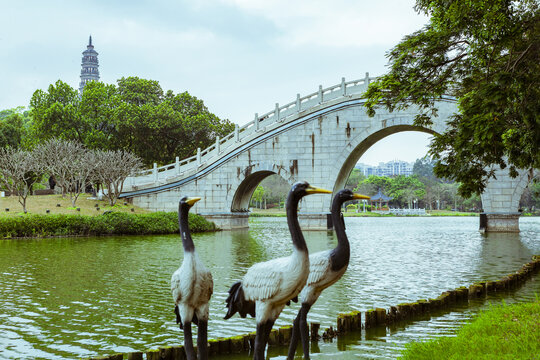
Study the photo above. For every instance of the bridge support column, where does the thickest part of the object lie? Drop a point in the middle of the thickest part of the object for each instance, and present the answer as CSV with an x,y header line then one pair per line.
x,y
500,201
229,221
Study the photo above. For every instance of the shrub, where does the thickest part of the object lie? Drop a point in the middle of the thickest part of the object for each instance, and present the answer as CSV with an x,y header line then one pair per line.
x,y
109,223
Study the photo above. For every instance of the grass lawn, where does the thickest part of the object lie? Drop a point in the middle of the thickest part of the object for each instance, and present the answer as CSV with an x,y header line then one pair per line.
x,y
39,205
501,332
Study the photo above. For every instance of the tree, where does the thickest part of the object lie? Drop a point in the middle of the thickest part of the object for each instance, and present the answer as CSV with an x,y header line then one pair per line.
x,y
11,131
405,189
379,182
354,179
486,55
56,113
59,159
474,203
135,116
19,171
112,169
158,128
423,168
530,199
452,192
258,195
98,108
14,124
139,92
366,188
84,172
70,163
276,189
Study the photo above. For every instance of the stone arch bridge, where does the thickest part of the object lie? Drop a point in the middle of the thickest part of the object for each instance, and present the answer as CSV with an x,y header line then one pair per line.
x,y
318,138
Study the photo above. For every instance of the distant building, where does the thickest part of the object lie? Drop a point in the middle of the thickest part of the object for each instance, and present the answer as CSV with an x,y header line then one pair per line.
x,y
90,65
391,168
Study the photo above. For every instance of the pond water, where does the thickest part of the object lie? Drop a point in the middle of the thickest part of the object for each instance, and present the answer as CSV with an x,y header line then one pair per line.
x,y
81,297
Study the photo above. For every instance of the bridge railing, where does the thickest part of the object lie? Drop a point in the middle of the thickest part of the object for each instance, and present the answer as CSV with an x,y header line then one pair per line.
x,y
280,114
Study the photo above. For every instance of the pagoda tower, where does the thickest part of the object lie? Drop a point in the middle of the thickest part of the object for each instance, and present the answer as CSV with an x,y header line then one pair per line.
x,y
90,65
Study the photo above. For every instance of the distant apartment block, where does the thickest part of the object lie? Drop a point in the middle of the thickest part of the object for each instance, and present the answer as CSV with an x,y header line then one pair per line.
x,y
391,168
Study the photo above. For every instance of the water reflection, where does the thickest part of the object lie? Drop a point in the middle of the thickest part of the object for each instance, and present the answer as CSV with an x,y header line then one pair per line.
x,y
497,253
81,297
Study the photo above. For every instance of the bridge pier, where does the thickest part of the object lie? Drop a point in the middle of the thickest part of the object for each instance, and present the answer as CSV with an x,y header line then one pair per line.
x,y
505,222
314,221
229,221
500,201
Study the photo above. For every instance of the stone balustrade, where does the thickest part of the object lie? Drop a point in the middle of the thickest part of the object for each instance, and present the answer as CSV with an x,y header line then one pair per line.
x,y
280,114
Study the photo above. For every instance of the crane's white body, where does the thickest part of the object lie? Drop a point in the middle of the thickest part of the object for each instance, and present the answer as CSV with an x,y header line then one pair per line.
x,y
192,286
321,276
273,283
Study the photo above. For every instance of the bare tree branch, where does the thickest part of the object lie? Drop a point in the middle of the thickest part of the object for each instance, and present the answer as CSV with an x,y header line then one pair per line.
x,y
113,167
19,171
70,163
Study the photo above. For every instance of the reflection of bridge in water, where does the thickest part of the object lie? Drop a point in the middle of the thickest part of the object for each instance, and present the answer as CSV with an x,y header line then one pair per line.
x,y
318,138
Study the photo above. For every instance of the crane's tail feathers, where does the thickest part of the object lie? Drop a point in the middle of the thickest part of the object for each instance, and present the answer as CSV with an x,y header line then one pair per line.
x,y
194,320
295,299
178,318
237,303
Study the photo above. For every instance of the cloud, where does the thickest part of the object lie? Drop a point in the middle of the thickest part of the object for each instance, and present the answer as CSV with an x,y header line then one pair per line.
x,y
339,23
239,56
133,34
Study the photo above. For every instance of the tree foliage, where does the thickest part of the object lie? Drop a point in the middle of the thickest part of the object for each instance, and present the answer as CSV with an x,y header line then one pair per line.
x,y
430,194
530,200
486,55
423,168
258,195
355,177
403,189
11,131
276,189
13,127
135,116
56,113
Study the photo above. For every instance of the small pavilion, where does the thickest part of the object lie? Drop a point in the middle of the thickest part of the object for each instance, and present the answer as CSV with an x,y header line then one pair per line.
x,y
380,198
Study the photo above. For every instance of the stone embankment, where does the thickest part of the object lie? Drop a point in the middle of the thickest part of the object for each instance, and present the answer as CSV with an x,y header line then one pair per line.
x,y
352,321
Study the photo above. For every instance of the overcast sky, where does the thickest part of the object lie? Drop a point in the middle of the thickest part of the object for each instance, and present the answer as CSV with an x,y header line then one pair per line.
x,y
239,56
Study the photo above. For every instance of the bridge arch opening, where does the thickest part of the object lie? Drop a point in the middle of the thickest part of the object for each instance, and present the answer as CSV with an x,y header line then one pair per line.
x,y
363,146
247,187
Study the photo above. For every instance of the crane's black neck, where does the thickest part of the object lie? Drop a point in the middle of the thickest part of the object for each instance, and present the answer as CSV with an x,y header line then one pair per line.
x,y
341,254
183,216
292,220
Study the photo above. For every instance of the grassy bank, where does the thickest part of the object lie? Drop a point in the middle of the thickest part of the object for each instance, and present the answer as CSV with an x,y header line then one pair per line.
x,y
501,332
56,204
112,223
